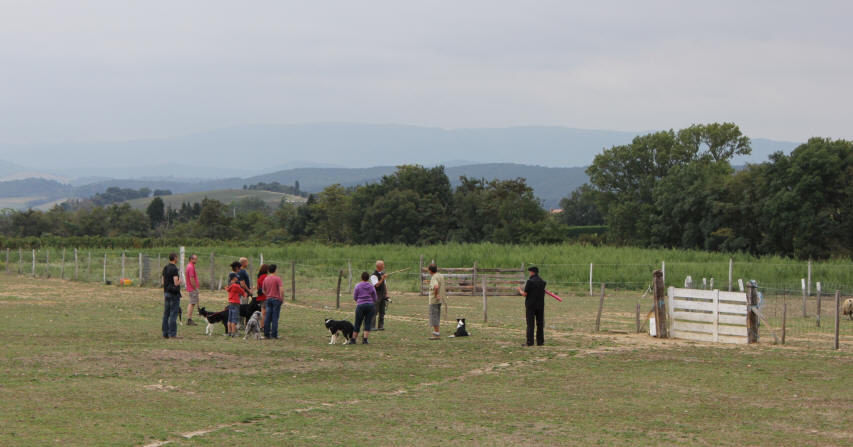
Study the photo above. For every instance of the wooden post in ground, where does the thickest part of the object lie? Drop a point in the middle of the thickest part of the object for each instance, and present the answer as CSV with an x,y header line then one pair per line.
x,y
182,270
751,318
661,329
638,317
20,261
34,263
473,281
818,303
784,318
837,311
105,267
121,278
809,276
212,271
663,273
421,275
62,265
349,276
338,292
804,297
89,265
140,269
7,261
76,266
590,279
485,303
292,280
160,268
731,267
600,306
47,262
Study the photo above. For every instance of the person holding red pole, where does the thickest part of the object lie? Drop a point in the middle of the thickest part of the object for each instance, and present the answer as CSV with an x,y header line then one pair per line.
x,y
534,305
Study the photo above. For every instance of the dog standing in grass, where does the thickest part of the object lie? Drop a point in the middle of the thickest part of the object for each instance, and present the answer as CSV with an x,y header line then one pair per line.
x,y
253,326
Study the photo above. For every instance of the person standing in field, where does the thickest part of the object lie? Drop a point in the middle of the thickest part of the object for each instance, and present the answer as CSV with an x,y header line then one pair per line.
x,y
378,280
272,289
365,297
171,297
262,275
534,305
243,275
436,297
192,288
235,292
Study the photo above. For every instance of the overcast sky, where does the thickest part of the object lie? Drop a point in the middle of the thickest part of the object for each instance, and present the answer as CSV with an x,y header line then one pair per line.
x,y
114,70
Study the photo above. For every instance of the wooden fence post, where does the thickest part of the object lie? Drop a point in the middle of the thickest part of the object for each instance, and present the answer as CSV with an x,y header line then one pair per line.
x,y
818,303
182,271
160,268
731,265
485,303
837,311
663,273
638,318
105,267
804,297
34,263
784,318
292,280
76,266
590,279
809,283
660,305
62,265
212,271
751,318
89,265
7,261
349,276
47,262
122,266
140,269
473,281
20,261
338,292
421,275
600,306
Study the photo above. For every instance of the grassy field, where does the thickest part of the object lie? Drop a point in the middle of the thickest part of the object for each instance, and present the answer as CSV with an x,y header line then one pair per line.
x,y
84,364
273,199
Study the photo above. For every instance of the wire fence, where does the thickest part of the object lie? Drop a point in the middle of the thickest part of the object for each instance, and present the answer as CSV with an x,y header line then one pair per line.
x,y
797,299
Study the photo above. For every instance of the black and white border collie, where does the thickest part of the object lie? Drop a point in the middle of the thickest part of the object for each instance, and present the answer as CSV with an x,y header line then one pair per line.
x,y
344,327
460,328
213,318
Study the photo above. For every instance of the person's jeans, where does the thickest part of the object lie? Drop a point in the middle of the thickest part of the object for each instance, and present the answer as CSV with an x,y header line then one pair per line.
x,y
171,307
536,316
364,312
271,319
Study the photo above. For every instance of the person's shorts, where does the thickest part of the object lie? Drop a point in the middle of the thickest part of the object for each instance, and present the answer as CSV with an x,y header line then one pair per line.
x,y
194,297
233,313
434,314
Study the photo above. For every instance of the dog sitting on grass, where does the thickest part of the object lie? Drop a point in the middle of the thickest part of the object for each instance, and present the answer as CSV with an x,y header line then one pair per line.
x,y
460,328
253,327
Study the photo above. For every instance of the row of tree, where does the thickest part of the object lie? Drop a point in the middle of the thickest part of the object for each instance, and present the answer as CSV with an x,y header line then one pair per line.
x,y
679,190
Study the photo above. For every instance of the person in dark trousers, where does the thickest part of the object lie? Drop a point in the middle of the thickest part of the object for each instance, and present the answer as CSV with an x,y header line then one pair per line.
x,y
534,306
171,297
378,280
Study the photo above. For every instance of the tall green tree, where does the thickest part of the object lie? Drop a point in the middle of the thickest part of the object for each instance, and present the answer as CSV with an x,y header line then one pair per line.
x,y
156,212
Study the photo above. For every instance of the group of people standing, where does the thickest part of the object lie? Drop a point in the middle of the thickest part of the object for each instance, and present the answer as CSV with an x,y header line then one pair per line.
x,y
370,296
268,294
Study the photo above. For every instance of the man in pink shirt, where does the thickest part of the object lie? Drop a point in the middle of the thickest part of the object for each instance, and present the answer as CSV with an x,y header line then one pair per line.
x,y
272,289
192,288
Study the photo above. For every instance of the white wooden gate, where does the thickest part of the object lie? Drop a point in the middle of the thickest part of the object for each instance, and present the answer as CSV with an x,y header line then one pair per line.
x,y
708,315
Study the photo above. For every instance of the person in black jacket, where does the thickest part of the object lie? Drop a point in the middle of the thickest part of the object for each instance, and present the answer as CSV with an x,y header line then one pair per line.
x,y
172,297
534,305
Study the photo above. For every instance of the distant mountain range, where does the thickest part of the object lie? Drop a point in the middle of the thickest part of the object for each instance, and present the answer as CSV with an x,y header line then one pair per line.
x,y
252,150
549,184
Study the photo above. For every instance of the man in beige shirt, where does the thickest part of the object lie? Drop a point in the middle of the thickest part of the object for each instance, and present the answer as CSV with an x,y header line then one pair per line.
x,y
437,295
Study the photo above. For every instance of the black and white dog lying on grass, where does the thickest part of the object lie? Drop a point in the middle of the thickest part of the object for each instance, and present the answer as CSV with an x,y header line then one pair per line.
x,y
460,328
344,327
213,318
253,327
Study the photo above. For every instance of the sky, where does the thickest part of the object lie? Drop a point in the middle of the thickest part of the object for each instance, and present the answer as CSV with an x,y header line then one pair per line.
x,y
110,70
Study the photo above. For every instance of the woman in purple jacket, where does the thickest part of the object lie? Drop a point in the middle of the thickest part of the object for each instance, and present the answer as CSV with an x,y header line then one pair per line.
x,y
365,298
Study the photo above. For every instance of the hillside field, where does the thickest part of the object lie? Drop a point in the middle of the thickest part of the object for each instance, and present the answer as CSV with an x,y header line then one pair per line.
x,y
85,364
273,199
